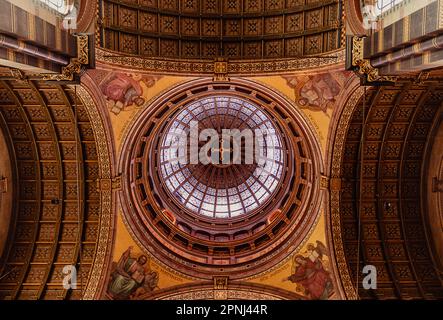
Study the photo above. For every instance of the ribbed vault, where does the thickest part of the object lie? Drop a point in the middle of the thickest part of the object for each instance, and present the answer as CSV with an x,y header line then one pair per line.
x,y
387,180
56,212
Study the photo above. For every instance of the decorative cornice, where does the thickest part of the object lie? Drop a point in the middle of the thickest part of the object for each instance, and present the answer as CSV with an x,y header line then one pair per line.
x,y
363,66
105,228
76,64
207,67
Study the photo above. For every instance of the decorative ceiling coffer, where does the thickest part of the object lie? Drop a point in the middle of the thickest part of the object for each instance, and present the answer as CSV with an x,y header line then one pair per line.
x,y
202,29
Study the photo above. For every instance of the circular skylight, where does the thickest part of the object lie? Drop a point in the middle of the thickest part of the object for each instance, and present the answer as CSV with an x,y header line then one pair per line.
x,y
242,169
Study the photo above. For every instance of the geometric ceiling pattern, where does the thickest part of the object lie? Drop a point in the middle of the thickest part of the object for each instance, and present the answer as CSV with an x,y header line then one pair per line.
x,y
56,212
199,244
231,185
397,123
235,29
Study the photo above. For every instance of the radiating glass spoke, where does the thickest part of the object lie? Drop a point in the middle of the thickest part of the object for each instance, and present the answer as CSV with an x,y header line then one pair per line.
x,y
228,190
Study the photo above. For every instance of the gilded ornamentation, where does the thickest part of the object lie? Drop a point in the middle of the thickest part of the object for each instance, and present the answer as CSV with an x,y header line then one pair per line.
x,y
206,67
221,283
104,236
76,64
337,155
363,66
220,70
324,182
234,294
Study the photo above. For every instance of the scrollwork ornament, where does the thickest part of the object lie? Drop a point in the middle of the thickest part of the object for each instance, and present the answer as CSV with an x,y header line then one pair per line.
x,y
363,66
76,64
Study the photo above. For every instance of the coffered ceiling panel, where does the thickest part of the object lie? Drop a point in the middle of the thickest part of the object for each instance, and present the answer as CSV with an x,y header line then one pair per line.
x,y
381,191
56,213
205,29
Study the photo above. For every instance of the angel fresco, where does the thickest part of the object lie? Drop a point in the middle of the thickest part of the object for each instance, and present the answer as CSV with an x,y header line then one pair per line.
x,y
123,90
310,274
131,277
317,92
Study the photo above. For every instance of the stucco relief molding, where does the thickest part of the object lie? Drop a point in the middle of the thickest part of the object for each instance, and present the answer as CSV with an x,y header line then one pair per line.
x,y
336,228
98,270
207,67
363,66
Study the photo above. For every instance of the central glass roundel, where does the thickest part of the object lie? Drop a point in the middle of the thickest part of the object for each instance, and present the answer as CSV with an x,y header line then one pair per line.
x,y
221,157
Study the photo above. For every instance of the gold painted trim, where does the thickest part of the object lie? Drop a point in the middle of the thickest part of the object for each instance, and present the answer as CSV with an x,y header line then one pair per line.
x,y
208,294
75,66
337,156
98,269
207,67
364,67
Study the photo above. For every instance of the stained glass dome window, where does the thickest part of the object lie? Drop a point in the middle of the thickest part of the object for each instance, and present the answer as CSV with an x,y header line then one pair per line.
x,y
218,190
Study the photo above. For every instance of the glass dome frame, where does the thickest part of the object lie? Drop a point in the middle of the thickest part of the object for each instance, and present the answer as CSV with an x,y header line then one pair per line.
x,y
253,186
199,245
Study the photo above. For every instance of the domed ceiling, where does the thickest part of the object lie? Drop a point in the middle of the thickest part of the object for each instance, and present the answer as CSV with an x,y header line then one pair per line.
x,y
235,217
231,186
206,29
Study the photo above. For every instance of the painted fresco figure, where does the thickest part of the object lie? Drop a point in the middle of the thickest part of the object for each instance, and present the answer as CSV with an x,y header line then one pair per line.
x,y
319,91
310,273
130,277
123,90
